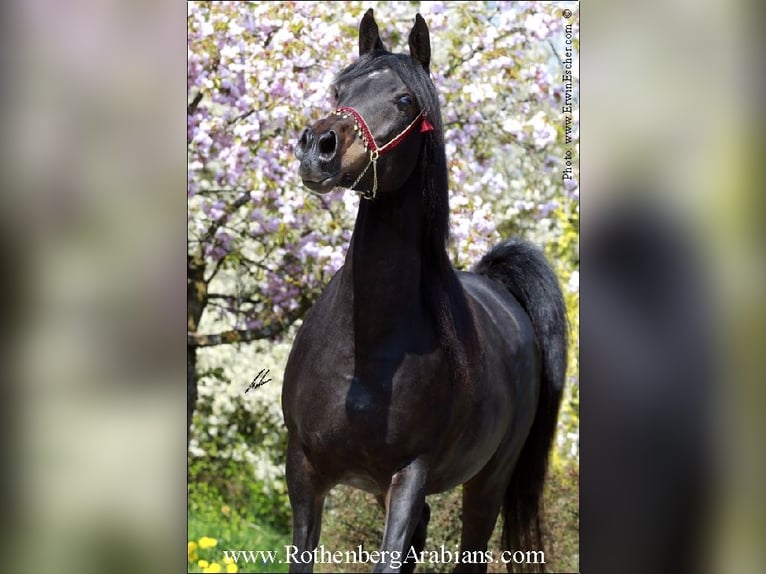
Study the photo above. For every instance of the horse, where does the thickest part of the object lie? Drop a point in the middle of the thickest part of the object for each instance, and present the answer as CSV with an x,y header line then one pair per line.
x,y
408,378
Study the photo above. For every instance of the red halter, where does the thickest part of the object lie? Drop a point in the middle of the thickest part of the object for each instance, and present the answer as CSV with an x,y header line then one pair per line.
x,y
363,130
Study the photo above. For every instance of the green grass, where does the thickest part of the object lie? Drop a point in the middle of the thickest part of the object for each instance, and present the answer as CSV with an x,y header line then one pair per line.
x,y
233,532
353,518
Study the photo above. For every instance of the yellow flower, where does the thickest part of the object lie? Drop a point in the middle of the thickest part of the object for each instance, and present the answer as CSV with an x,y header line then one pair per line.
x,y
228,560
203,563
191,549
226,510
207,542
214,567
231,568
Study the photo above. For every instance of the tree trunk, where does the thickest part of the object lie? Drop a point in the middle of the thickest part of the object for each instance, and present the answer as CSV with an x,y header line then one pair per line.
x,y
191,387
196,296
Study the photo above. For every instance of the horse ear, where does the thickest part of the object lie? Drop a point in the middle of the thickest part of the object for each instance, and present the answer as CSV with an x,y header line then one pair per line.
x,y
369,37
420,43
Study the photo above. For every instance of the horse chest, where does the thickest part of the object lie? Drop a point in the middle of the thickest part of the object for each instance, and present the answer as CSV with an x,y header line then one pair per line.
x,y
373,415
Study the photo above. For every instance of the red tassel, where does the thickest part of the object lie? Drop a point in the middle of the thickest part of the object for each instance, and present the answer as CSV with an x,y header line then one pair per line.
x,y
426,126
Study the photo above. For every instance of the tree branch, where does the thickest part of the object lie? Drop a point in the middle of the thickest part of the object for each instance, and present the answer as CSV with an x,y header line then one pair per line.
x,y
192,107
227,210
241,116
555,53
236,298
245,335
211,230
464,59
233,336
326,205
215,270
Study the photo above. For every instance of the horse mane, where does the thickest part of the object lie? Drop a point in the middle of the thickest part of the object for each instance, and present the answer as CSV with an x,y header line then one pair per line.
x,y
443,294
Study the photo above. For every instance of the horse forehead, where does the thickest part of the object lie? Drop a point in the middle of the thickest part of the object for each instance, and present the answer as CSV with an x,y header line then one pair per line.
x,y
376,73
378,77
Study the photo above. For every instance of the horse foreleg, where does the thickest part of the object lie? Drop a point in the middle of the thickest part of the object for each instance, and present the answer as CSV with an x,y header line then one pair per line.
x,y
405,502
418,542
306,499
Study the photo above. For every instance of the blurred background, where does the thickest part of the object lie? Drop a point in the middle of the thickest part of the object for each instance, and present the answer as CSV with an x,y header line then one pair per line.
x,y
94,222
672,281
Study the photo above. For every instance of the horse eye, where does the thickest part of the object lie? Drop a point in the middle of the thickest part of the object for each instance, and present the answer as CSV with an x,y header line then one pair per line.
x,y
404,101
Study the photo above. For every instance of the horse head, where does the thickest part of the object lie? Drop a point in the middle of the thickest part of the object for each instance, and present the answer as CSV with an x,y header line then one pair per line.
x,y
371,142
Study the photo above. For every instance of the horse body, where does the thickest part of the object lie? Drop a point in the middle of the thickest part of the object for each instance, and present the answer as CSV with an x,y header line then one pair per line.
x,y
406,378
386,393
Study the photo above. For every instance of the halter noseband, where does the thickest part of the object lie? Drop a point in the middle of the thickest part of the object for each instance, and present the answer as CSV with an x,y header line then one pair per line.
x,y
363,131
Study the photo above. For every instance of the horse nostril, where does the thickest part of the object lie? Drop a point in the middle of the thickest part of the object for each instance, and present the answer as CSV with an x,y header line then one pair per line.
x,y
303,142
304,138
328,143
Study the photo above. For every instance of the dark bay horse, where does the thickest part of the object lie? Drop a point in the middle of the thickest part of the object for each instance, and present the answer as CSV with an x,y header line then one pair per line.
x,y
406,377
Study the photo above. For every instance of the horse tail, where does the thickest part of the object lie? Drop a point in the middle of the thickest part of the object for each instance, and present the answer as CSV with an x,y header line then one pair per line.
x,y
524,271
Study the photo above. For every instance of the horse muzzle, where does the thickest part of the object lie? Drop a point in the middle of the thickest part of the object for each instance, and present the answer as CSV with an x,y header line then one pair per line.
x,y
319,154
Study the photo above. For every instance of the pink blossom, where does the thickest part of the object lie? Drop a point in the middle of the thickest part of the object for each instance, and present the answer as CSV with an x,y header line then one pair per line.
x,y
263,70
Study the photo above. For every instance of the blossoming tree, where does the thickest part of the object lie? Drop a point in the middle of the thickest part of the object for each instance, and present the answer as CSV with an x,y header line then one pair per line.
x,y
260,248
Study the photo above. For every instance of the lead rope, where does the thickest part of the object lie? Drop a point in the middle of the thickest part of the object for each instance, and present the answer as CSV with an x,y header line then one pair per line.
x,y
363,131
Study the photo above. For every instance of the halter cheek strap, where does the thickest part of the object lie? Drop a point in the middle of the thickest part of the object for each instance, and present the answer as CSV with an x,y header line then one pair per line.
x,y
363,131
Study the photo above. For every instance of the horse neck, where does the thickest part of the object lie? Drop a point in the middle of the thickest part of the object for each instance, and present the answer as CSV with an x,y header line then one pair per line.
x,y
384,267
